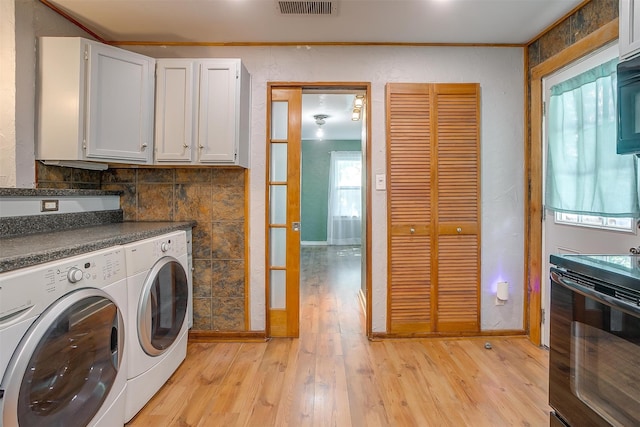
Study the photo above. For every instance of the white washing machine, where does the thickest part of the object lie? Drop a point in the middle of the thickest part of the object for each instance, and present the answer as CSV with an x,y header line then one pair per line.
x,y
62,341
159,298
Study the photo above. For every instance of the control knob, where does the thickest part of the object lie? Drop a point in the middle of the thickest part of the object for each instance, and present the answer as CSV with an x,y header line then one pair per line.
x,y
164,246
74,275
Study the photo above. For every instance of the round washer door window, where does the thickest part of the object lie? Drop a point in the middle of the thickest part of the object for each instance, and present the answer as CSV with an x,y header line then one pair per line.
x,y
65,367
163,306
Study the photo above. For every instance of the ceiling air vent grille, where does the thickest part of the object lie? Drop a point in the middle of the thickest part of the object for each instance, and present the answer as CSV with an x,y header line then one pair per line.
x,y
307,7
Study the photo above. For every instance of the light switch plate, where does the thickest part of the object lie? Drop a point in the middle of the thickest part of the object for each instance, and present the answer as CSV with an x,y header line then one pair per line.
x,y
381,181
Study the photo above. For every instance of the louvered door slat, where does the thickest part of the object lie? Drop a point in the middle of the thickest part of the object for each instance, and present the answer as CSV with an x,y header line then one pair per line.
x,y
458,299
411,287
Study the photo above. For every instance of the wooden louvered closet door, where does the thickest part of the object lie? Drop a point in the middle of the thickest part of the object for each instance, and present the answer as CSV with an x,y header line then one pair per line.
x,y
434,208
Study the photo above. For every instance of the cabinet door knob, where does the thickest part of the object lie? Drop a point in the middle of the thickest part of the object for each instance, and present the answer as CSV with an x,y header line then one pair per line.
x,y
144,145
185,146
412,230
459,230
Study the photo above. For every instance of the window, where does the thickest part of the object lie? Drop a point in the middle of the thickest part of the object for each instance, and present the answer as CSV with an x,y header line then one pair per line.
x,y
607,223
345,198
586,180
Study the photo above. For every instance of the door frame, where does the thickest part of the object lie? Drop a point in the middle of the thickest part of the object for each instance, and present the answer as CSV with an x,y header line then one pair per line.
x,y
366,148
533,175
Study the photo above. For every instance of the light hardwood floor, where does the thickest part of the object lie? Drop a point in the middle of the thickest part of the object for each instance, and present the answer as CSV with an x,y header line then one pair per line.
x,y
333,376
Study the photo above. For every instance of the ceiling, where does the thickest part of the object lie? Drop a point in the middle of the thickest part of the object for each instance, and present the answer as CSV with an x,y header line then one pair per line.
x,y
353,21
338,107
299,22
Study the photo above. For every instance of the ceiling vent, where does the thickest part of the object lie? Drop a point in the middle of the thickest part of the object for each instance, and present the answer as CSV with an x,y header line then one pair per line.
x,y
307,7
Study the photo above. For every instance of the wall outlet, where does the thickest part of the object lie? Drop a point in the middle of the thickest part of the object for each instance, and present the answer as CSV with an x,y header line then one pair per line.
x,y
49,205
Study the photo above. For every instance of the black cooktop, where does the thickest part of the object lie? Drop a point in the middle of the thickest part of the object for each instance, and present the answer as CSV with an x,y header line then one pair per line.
x,y
621,270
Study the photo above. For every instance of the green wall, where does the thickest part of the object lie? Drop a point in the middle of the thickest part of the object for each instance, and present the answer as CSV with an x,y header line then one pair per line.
x,y
315,185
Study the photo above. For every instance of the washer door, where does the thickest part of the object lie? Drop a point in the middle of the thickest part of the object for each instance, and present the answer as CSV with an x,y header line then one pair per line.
x,y
66,364
163,306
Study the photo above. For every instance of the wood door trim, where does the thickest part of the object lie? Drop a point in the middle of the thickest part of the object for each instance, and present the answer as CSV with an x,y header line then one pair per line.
x,y
533,180
366,148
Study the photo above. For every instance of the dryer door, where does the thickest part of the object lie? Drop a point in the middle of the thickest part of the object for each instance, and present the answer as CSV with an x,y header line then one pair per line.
x,y
163,306
66,364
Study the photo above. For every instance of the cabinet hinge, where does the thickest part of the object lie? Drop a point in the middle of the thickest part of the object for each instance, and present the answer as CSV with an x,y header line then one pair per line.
x,y
544,109
86,54
84,144
542,315
237,74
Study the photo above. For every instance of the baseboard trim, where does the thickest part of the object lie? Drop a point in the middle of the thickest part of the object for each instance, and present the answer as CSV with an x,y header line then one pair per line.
x,y
218,336
430,335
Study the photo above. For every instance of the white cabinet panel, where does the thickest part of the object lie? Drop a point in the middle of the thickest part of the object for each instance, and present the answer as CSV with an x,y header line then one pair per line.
x,y
218,112
174,111
216,130
95,102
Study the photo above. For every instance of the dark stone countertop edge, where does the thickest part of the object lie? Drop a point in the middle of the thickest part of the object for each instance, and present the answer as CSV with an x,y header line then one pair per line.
x,y
47,192
15,262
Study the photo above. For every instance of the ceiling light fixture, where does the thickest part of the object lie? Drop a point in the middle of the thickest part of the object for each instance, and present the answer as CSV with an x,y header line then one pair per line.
x,y
320,120
358,104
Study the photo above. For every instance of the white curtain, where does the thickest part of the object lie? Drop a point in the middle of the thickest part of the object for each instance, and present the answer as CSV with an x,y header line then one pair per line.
x,y
584,173
344,215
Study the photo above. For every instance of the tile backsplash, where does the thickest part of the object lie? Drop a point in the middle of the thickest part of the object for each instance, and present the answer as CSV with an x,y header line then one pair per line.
x,y
212,196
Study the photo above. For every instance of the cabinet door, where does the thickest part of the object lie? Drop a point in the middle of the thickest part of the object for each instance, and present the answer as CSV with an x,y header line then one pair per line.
x,y
409,206
218,115
120,103
457,152
174,110
629,40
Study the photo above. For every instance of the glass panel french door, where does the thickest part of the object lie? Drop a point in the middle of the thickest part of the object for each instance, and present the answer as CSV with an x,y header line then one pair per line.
x,y
283,212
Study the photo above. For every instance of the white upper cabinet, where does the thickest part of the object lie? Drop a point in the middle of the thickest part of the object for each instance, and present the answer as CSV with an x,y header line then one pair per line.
x,y
175,105
629,31
95,102
202,112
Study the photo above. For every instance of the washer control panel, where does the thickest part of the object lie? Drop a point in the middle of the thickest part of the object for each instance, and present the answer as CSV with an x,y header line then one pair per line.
x,y
141,256
30,290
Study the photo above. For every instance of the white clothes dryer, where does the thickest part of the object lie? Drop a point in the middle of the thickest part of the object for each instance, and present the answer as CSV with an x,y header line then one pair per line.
x,y
159,292
62,333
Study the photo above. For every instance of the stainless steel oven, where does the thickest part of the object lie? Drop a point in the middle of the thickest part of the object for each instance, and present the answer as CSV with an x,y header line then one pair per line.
x,y
594,359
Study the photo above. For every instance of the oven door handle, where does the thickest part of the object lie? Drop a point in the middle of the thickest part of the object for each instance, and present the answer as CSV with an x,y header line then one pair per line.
x,y
605,299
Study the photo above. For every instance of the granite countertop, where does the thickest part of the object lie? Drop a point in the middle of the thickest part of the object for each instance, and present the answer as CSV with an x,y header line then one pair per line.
x,y
24,251
31,192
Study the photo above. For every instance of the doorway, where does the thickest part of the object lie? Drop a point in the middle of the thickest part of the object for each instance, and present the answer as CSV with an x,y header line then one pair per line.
x,y
318,193
572,233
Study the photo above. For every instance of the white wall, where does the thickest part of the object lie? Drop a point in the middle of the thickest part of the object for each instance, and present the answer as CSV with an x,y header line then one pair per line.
x,y
18,79
499,72
7,95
